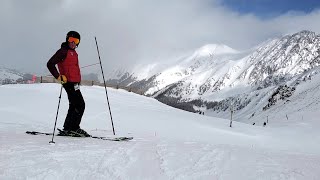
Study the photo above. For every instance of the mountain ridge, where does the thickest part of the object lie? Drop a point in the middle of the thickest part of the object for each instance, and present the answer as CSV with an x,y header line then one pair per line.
x,y
214,77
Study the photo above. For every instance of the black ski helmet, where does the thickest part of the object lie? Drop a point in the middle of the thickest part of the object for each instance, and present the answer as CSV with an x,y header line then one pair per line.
x,y
74,34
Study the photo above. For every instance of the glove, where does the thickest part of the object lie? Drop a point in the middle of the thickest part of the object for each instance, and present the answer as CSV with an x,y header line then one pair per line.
x,y
62,79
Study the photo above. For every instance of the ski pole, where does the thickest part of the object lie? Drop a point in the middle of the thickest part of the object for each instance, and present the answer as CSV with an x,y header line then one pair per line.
x,y
105,86
54,129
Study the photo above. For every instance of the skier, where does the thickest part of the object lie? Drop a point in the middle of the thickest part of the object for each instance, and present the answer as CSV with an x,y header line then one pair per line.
x,y
69,76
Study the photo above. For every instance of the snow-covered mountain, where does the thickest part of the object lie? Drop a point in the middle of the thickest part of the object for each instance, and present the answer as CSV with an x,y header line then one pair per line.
x,y
216,77
154,77
8,76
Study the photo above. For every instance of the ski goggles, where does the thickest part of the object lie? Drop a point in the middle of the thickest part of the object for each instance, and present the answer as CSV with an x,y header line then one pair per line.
x,y
75,40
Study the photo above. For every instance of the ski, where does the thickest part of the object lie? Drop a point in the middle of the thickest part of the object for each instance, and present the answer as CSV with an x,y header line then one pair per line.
x,y
94,137
113,138
38,133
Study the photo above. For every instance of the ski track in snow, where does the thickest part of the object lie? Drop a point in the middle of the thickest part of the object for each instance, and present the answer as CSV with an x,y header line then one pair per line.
x,y
167,144
155,159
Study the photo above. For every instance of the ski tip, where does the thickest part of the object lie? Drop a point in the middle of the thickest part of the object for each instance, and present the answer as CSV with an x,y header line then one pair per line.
x,y
31,132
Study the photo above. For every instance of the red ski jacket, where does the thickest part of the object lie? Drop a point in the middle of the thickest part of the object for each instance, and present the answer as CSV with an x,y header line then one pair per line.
x,y
68,64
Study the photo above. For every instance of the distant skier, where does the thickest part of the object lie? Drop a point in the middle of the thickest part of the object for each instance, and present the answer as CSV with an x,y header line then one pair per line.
x,y
69,75
264,124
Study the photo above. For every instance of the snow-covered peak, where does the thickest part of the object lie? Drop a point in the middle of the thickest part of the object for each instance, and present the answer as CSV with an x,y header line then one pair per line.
x,y
215,49
304,34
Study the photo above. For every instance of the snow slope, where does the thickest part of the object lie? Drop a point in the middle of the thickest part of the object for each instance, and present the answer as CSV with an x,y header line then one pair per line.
x,y
168,143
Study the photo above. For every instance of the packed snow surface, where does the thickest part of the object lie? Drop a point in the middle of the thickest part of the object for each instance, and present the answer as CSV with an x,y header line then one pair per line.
x,y
168,143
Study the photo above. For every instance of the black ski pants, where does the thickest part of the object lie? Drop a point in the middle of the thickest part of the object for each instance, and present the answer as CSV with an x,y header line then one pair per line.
x,y
76,106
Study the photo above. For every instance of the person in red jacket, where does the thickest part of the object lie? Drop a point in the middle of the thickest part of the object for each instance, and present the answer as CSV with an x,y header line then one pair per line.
x,y
70,77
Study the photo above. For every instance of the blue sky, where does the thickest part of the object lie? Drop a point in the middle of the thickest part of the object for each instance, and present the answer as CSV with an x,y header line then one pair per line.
x,y
271,8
